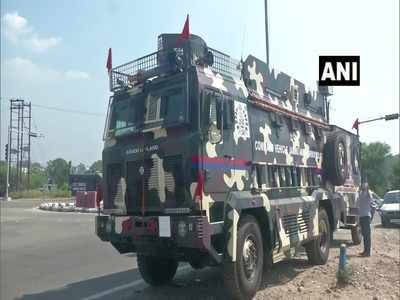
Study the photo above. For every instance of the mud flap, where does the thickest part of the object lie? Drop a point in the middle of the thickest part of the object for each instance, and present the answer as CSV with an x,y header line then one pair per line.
x,y
231,223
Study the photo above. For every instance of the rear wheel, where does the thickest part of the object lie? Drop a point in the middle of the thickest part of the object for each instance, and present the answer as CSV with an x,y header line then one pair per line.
x,y
157,270
242,278
356,235
318,249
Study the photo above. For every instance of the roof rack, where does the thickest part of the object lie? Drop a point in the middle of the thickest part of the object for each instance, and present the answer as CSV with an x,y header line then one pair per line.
x,y
158,62
225,65
124,74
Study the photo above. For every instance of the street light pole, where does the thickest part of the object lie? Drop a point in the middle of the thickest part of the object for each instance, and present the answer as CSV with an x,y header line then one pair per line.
x,y
386,118
357,123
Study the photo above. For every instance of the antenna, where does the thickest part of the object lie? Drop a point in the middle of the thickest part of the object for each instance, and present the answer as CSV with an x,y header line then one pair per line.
x,y
243,41
266,33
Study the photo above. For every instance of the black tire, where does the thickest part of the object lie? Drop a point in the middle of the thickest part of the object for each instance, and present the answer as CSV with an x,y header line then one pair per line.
x,y
356,235
355,158
243,277
385,222
196,264
156,270
335,159
318,249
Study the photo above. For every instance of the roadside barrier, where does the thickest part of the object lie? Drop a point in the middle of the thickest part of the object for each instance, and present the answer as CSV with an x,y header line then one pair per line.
x,y
66,207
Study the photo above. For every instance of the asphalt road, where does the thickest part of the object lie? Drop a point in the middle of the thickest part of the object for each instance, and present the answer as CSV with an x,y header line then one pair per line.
x,y
55,255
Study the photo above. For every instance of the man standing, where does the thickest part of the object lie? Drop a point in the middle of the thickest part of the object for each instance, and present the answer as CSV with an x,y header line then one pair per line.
x,y
364,204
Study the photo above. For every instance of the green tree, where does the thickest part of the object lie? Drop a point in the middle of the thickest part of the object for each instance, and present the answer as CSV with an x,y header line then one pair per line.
x,y
373,158
3,177
96,167
38,175
58,171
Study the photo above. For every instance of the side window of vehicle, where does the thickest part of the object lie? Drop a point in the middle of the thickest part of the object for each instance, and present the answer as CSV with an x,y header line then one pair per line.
x,y
293,174
228,114
273,177
310,177
261,173
212,113
216,110
288,176
209,110
299,177
317,178
282,177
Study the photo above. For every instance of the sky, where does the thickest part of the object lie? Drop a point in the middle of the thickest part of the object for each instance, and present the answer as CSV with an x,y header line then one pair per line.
x,y
53,53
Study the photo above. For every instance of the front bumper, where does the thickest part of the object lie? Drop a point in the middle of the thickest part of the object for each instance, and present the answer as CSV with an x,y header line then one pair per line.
x,y
155,235
390,216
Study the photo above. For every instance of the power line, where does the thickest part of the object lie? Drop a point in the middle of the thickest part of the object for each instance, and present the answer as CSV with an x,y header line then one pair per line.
x,y
69,110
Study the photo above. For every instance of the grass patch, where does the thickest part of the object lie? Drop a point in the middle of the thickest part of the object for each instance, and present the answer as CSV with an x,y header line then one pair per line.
x,y
38,194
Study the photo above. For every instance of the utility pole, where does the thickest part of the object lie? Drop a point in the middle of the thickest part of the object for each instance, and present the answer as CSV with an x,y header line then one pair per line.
x,y
1,126
266,33
20,143
8,163
29,144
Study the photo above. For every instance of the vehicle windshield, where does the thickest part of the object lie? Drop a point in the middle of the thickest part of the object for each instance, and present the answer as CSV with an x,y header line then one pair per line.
x,y
164,107
392,198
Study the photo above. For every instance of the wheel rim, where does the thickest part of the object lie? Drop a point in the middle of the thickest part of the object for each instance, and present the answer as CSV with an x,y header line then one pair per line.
x,y
323,233
249,256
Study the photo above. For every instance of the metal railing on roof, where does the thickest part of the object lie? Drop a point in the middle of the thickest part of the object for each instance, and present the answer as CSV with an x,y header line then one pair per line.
x,y
225,65
125,74
155,63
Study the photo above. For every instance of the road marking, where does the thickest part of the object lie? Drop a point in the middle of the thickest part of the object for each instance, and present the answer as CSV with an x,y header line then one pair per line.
x,y
124,287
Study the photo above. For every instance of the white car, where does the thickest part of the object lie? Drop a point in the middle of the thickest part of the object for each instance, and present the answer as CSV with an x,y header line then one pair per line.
x,y
390,209
377,200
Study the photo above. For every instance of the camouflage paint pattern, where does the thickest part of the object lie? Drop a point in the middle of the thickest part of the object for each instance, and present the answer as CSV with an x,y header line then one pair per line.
x,y
276,121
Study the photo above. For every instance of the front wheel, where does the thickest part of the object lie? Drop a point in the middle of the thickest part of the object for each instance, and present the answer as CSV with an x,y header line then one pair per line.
x,y
318,249
385,222
156,270
242,278
356,235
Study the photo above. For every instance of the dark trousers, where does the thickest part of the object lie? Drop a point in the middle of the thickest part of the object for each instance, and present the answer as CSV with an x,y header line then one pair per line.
x,y
365,223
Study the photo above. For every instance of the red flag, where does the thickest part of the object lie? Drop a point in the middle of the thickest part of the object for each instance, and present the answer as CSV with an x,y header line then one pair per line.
x,y
185,32
355,125
109,61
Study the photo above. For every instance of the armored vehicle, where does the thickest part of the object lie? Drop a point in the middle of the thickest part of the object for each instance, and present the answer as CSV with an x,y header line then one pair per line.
x,y
215,161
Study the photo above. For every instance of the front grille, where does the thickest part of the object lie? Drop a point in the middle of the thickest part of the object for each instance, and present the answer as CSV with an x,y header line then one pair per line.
x,y
294,224
159,186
